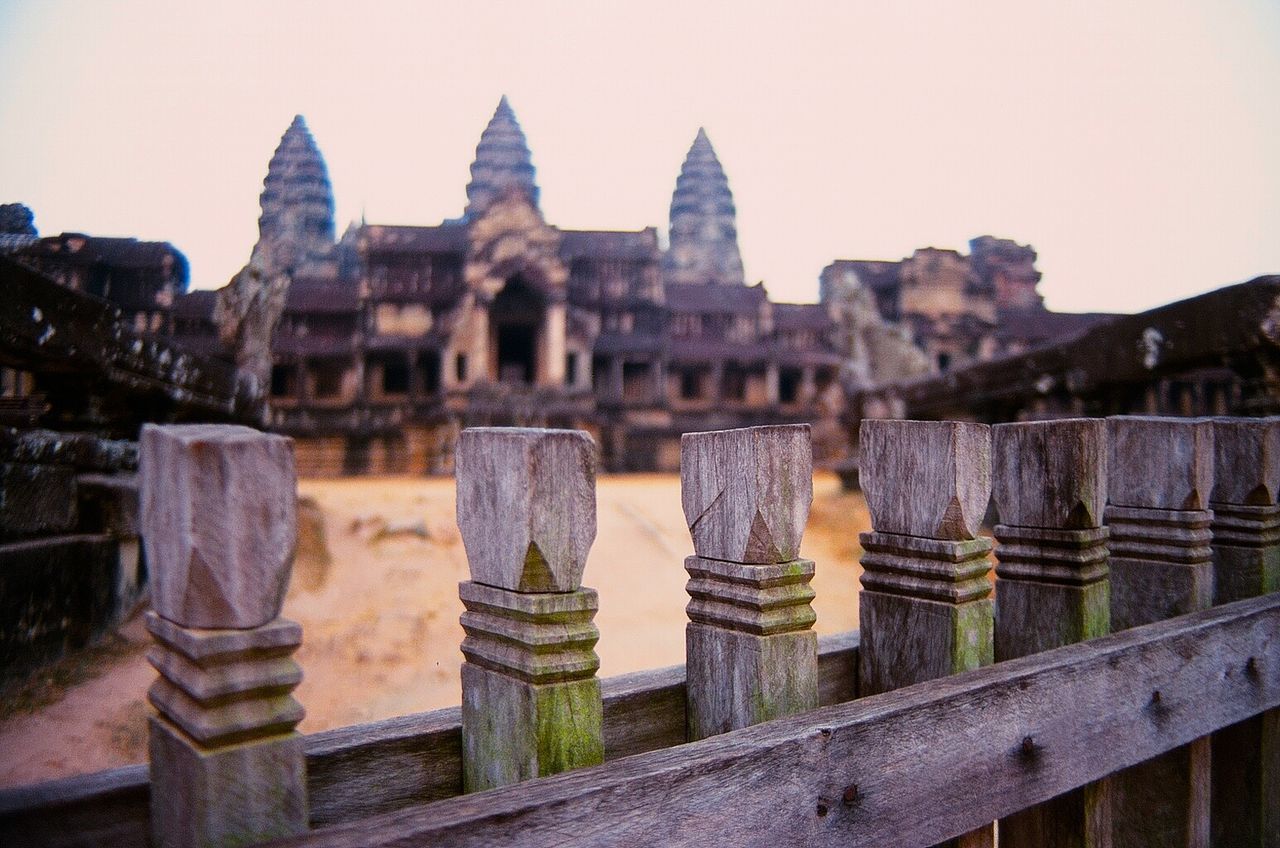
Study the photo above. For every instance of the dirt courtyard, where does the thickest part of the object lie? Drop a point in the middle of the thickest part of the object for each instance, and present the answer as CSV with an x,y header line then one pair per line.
x,y
378,602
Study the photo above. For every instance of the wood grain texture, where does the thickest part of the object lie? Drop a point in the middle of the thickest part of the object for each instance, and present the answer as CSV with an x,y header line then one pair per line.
x,y
918,765
926,478
1161,567
1246,460
219,523
1161,463
1245,793
364,770
746,493
751,654
1050,474
1053,586
527,506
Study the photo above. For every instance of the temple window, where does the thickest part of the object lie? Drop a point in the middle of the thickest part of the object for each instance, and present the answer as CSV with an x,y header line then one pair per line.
x,y
734,384
789,380
571,368
636,384
460,367
284,381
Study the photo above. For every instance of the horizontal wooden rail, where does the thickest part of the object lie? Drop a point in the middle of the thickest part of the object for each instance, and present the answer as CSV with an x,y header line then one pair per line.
x,y
367,769
909,767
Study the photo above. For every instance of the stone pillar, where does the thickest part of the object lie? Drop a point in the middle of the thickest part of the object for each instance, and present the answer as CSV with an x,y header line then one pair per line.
x,y
1246,561
219,526
551,346
751,653
1049,481
808,387
530,697
771,379
925,607
1159,478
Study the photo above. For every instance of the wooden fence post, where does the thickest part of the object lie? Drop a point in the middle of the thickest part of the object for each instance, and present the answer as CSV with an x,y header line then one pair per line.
x,y
751,653
218,522
1246,562
925,607
530,696
1160,477
1049,482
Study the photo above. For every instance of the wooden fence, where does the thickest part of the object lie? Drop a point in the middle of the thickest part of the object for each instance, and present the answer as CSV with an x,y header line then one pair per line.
x,y
1118,685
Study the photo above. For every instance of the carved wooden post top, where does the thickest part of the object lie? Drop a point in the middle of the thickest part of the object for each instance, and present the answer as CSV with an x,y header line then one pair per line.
x,y
926,478
746,493
1050,474
1160,463
527,506
218,521
1246,461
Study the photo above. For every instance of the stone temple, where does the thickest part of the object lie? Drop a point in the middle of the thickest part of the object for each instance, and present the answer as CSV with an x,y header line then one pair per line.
x,y
381,345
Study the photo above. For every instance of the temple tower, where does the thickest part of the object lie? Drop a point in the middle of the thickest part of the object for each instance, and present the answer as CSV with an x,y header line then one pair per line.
x,y
704,235
297,200
502,163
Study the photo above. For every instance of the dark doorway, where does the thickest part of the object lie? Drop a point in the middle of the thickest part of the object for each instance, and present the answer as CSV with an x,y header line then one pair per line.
x,y
514,317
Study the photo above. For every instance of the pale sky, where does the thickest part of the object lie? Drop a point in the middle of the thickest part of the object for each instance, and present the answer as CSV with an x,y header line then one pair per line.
x,y
1136,145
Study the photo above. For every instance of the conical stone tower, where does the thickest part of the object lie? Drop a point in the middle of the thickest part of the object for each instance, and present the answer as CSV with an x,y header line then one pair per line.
x,y
297,199
502,163
704,235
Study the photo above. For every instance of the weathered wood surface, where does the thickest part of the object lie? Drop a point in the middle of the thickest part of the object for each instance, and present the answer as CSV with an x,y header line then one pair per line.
x,y
527,512
219,524
1160,477
925,608
751,651
218,517
751,654
360,771
527,506
916,766
1050,487
746,493
945,466
1245,795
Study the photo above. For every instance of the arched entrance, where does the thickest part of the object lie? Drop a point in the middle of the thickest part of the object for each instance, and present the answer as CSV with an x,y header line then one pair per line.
x,y
515,321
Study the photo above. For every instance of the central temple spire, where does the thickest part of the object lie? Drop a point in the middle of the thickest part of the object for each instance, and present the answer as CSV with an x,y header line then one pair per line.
x,y
704,234
502,163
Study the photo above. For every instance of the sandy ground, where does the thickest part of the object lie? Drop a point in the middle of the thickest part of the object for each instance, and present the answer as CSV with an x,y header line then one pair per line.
x,y
380,614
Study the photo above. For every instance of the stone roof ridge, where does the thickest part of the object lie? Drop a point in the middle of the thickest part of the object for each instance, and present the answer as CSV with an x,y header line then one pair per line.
x,y
297,197
704,233
502,162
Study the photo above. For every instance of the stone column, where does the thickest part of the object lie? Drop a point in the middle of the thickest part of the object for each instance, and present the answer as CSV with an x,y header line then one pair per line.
x,y
925,607
751,653
530,697
219,526
1049,481
1159,478
551,346
771,378
1246,562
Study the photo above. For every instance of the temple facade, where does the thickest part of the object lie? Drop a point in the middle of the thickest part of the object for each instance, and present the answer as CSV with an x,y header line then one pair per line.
x,y
394,338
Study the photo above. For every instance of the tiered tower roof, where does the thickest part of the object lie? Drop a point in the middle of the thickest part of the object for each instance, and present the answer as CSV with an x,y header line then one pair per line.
x,y
704,232
297,199
502,162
